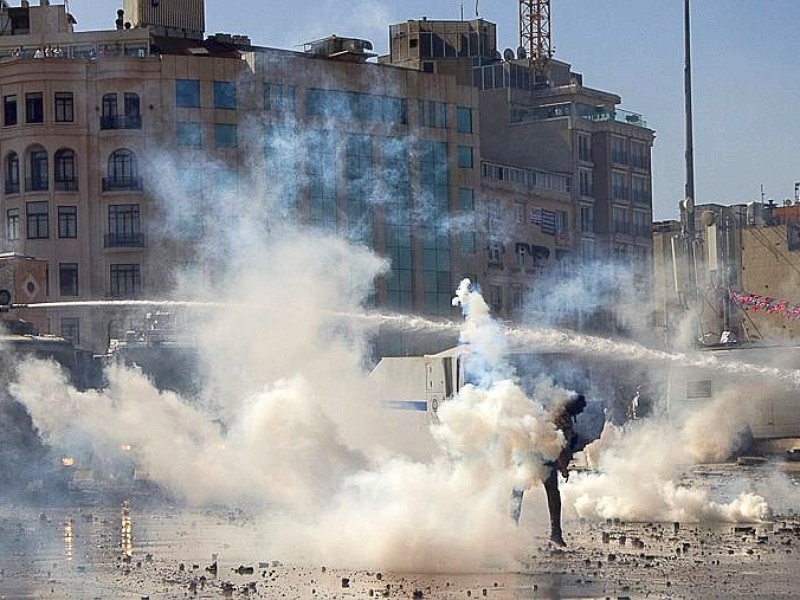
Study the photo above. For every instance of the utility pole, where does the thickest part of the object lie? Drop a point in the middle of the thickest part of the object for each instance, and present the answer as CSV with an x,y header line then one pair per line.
x,y
688,203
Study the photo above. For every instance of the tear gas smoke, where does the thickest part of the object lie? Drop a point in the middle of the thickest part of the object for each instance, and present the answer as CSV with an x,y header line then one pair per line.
x,y
287,424
282,450
637,470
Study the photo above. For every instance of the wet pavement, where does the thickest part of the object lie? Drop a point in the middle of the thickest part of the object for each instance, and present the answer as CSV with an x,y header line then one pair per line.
x,y
133,546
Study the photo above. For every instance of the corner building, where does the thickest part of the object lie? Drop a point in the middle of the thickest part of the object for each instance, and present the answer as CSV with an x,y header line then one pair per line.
x,y
565,172
383,155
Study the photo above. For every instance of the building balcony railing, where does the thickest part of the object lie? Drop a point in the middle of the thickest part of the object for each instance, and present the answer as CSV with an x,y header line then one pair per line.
x,y
124,240
121,122
67,185
529,114
36,184
112,184
12,186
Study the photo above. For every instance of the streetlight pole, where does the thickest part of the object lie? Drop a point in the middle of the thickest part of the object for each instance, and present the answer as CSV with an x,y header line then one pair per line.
x,y
689,199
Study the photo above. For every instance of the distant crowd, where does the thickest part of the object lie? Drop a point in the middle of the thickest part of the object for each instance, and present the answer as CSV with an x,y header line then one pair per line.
x,y
47,51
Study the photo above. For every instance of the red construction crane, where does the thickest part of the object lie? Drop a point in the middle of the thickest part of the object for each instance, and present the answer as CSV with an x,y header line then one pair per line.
x,y
534,32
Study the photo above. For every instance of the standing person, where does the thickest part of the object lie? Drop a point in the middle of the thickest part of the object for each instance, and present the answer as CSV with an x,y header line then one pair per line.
x,y
563,418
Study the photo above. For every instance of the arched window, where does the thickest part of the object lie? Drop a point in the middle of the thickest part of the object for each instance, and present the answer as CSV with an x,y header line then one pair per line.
x,y
37,170
66,177
123,173
12,173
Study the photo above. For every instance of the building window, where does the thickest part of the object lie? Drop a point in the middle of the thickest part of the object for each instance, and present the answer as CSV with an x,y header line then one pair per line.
x,y
561,221
641,190
638,155
585,182
111,119
587,219
584,148
225,135
517,297
621,218
226,182
619,150
356,106
123,172
9,110
188,135
641,224
225,95
466,204
619,186
65,107
187,93
70,329
587,249
12,173
468,242
431,113
521,251
465,157
12,224
34,107
541,255
38,181
464,119
65,177
495,298
38,220
124,226
68,279
466,199
109,116
493,214
125,280
519,212
132,105
279,97
67,221
495,253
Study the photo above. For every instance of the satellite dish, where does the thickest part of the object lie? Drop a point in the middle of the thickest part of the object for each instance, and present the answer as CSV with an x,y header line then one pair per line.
x,y
508,55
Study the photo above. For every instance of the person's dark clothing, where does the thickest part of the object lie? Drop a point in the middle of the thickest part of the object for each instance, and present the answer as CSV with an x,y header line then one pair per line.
x,y
564,420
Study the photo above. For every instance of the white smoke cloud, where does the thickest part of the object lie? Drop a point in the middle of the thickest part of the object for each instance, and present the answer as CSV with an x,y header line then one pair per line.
x,y
638,477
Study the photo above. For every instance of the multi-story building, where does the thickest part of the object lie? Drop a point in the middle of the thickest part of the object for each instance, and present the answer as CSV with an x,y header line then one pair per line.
x,y
442,156
91,121
564,170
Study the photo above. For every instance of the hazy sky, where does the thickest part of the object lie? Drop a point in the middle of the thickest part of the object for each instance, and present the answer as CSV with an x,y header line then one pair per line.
x,y
746,74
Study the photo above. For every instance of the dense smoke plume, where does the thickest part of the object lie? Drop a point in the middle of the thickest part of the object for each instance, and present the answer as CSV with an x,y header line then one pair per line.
x,y
287,423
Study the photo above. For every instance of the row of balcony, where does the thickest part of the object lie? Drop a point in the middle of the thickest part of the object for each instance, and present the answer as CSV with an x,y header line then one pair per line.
x,y
110,184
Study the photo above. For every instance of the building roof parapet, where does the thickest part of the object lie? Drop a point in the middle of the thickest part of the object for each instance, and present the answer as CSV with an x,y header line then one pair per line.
x,y
521,113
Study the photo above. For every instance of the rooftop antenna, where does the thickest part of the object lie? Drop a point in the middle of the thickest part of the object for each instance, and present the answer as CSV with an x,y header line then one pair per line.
x,y
534,33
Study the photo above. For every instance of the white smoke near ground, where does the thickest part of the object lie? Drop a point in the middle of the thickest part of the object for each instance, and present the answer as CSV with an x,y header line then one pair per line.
x,y
637,471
